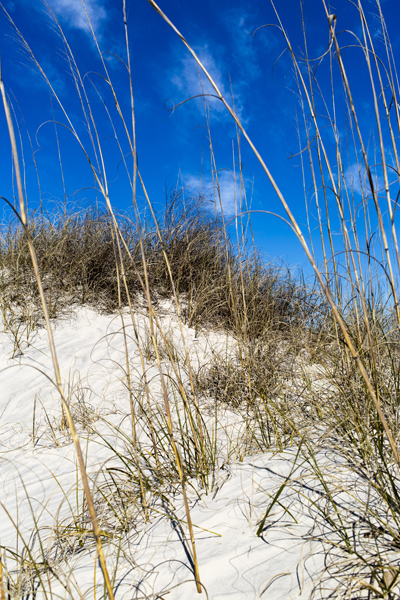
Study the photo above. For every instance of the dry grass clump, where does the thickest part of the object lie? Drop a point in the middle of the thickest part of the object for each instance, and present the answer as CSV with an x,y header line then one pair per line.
x,y
75,255
378,348
78,257
236,383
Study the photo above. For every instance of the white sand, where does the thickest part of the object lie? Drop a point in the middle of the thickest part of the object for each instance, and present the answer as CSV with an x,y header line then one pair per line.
x,y
39,480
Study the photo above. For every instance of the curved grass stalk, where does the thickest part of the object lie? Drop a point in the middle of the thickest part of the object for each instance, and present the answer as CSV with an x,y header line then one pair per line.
x,y
332,24
104,191
293,221
65,407
2,579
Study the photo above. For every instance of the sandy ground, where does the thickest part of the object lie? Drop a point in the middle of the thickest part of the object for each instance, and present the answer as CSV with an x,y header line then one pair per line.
x,y
41,496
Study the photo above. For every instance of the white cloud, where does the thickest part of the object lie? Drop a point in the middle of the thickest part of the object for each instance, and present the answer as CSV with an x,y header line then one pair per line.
x,y
73,13
190,81
352,177
231,192
241,26
357,180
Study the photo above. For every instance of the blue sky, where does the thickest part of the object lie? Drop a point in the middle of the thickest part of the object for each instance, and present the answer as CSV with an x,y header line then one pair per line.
x,y
172,145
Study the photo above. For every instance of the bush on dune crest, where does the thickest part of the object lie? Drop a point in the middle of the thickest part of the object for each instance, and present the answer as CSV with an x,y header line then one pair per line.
x,y
78,257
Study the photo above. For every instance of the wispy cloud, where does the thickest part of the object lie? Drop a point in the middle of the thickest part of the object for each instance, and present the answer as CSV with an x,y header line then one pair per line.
x,y
240,26
231,192
189,80
357,180
238,59
72,13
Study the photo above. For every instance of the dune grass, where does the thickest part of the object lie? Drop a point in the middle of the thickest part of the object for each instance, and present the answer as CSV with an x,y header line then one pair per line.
x,y
311,365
